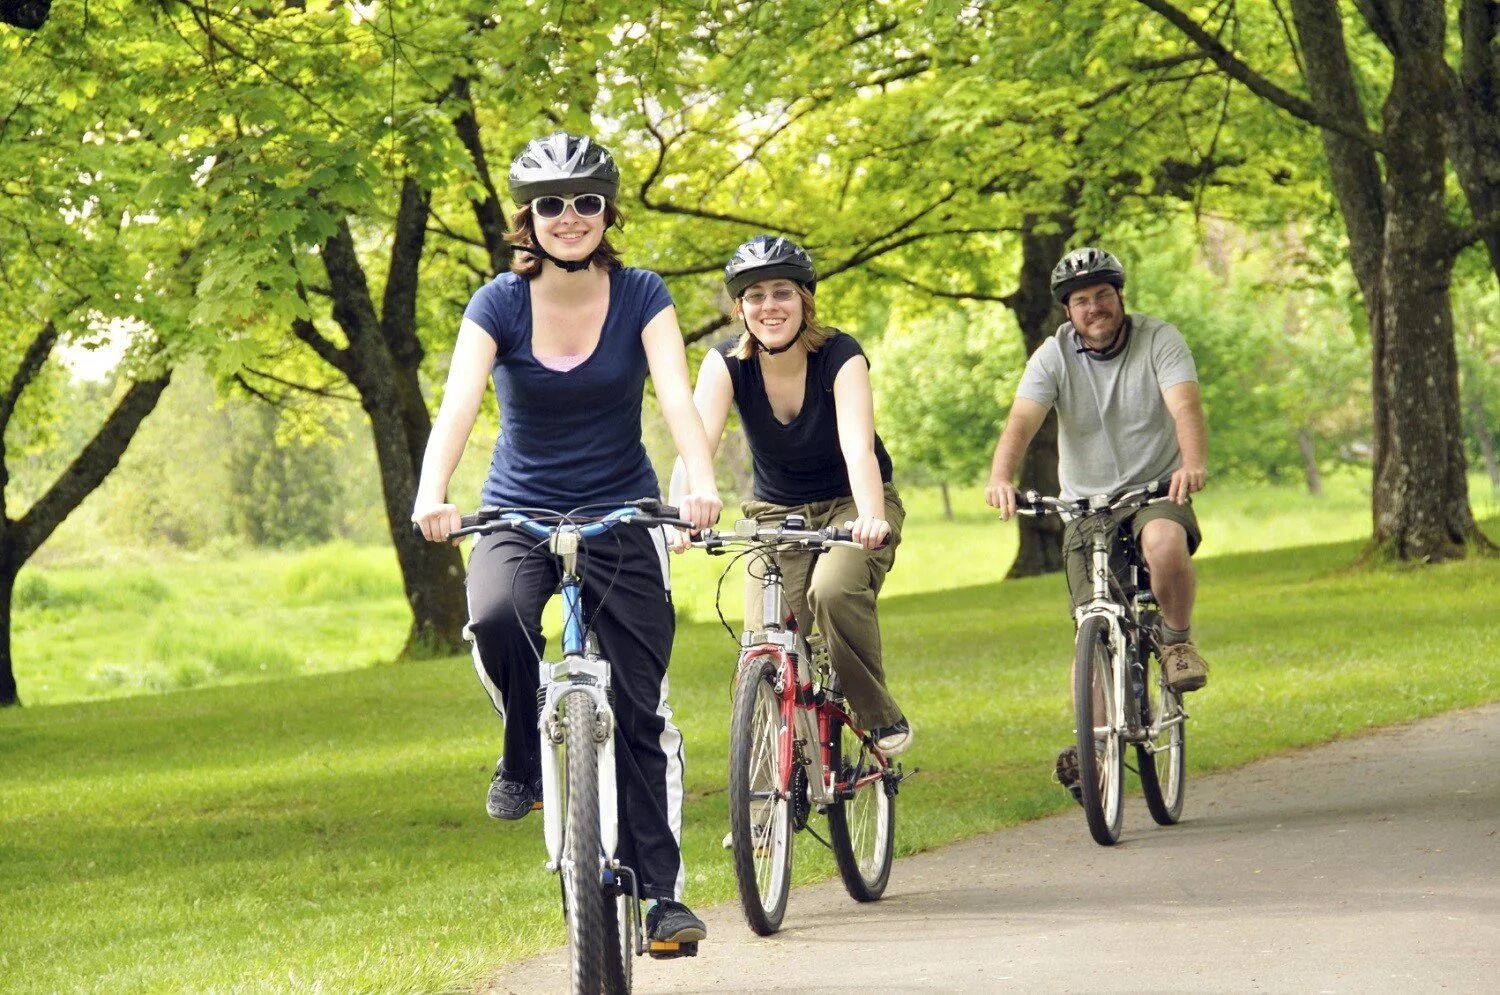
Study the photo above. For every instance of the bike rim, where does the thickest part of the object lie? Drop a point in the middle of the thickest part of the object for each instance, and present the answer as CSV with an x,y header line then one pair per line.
x,y
1110,762
769,826
1168,756
868,812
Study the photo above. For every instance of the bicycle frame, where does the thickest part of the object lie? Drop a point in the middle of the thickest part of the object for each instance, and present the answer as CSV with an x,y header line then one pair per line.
x,y
1115,612
581,669
804,738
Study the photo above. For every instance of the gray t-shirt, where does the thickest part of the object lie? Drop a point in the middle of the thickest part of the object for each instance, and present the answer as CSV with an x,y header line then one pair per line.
x,y
1114,429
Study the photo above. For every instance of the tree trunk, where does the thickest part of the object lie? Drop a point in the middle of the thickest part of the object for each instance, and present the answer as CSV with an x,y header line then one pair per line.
x,y
9,697
947,504
1399,248
1420,495
1310,463
1486,440
21,538
1040,550
382,362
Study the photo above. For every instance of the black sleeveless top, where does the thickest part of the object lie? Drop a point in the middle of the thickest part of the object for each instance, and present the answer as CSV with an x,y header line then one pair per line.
x,y
800,462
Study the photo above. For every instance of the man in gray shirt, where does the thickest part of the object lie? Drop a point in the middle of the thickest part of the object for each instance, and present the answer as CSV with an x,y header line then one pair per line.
x,y
1129,412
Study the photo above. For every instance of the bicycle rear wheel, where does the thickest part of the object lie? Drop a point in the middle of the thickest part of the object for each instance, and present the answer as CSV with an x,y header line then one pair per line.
x,y
861,824
1163,760
1101,761
759,815
583,893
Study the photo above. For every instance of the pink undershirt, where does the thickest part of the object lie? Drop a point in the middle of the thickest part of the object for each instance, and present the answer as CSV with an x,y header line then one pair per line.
x,y
562,364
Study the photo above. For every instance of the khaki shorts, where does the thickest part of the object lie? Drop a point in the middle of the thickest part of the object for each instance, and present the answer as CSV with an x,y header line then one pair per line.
x,y
1078,539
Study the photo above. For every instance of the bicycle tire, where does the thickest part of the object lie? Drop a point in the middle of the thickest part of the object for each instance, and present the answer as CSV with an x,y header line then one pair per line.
x,y
1164,771
618,955
583,893
861,829
1100,775
762,856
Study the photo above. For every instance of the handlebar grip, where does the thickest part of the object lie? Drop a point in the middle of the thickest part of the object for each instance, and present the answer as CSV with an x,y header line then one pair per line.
x,y
839,535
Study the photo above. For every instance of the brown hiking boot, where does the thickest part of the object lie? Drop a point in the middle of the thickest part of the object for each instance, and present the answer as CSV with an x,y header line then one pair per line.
x,y
1184,668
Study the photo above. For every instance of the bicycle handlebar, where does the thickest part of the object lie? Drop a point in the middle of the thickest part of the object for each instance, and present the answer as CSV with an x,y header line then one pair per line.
x,y
1037,504
646,513
775,535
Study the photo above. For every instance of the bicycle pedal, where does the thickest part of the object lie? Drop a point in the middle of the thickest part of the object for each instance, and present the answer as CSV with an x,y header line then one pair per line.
x,y
668,949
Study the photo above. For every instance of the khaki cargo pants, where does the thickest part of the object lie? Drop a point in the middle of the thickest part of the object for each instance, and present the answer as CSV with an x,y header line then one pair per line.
x,y
840,596
1078,539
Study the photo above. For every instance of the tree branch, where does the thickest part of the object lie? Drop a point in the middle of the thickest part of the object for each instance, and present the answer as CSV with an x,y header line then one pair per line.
x,y
1378,17
1258,84
1481,228
398,311
957,295
100,456
706,329
31,364
488,213
325,391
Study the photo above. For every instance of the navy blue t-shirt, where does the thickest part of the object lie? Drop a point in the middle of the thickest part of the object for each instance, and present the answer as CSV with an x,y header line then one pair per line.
x,y
800,462
574,438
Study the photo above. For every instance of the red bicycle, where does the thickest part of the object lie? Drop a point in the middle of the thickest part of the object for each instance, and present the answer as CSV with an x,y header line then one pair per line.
x,y
793,748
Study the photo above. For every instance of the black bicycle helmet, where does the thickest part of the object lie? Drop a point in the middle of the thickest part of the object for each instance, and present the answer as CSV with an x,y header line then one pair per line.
x,y
1085,267
769,257
563,164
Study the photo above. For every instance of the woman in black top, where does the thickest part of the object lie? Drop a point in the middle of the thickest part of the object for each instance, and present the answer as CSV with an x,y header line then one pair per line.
x,y
803,394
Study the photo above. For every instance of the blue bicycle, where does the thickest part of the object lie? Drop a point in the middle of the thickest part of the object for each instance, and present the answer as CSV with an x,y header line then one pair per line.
x,y
601,897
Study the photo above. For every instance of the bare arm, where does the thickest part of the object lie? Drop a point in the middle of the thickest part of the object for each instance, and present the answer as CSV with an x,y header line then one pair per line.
x,y
1185,402
1026,417
854,411
468,374
712,397
667,359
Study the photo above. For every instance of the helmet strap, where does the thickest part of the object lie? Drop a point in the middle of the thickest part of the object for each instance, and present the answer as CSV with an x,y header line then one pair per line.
x,y
567,265
1115,347
762,347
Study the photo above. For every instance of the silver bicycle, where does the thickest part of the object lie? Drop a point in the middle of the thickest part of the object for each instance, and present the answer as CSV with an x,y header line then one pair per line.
x,y
1120,693
580,818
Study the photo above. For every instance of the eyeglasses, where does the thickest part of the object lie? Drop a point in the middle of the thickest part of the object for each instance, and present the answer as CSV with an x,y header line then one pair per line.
x,y
781,295
585,205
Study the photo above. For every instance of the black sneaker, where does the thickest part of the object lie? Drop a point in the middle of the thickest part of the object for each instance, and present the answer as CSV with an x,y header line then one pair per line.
x,y
893,740
672,922
510,799
1066,772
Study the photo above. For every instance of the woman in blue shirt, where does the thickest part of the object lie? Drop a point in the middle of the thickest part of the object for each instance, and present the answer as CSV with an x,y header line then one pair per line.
x,y
569,337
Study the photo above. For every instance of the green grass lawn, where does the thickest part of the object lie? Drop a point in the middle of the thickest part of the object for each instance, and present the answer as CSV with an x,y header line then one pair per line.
x,y
326,832
104,623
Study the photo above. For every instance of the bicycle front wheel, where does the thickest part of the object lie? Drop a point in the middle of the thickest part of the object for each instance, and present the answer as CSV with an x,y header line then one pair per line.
x,y
862,819
583,893
1163,759
616,945
1101,761
760,828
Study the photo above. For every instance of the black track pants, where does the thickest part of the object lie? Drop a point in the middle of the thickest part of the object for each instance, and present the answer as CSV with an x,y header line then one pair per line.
x,y
626,567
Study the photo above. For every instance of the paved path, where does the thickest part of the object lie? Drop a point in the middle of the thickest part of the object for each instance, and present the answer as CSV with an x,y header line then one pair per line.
x,y
1367,865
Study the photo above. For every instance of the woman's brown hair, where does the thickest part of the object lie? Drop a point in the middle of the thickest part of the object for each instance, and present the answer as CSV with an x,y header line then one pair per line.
x,y
522,235
814,334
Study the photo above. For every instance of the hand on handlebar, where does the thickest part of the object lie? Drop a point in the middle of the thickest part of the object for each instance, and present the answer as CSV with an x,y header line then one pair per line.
x,y
702,508
678,540
436,520
1001,495
1185,481
868,531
